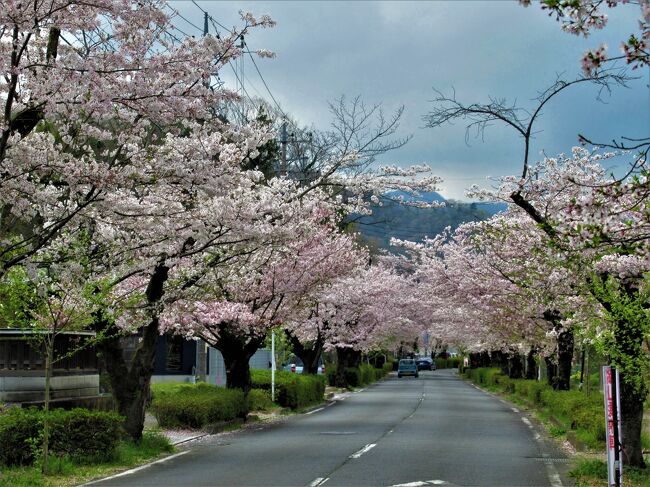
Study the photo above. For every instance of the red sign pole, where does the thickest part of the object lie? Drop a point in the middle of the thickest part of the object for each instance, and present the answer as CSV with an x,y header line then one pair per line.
x,y
611,396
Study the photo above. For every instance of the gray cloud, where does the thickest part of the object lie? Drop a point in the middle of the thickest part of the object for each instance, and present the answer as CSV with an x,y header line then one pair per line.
x,y
395,52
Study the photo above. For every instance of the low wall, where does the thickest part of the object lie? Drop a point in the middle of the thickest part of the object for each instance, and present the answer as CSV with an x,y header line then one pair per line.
x,y
21,386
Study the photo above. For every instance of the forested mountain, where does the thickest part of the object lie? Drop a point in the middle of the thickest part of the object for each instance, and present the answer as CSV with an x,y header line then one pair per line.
x,y
411,223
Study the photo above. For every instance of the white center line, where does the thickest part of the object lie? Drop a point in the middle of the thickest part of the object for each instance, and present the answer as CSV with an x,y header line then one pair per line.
x,y
363,450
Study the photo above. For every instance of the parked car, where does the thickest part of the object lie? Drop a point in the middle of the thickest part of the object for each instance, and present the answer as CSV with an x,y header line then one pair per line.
x,y
425,363
407,366
297,368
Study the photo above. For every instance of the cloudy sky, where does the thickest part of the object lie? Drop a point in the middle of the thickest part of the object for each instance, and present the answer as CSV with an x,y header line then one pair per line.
x,y
395,53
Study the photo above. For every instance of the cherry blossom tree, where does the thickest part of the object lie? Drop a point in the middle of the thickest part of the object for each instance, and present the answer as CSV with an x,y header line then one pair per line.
x,y
233,308
84,87
600,223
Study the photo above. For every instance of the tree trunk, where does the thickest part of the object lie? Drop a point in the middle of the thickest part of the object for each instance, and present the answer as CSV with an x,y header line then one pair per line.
x,y
561,378
237,351
564,358
551,371
531,365
515,366
308,353
629,327
49,351
130,383
346,357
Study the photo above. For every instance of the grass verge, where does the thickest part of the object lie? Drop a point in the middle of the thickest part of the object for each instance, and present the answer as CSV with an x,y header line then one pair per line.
x,y
65,472
593,473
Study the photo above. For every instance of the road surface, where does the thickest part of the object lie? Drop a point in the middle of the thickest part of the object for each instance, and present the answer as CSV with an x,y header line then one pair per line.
x,y
435,430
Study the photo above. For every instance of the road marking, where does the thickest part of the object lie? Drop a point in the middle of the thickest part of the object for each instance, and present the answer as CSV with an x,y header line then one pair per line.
x,y
315,411
515,410
137,469
319,481
422,483
365,449
527,422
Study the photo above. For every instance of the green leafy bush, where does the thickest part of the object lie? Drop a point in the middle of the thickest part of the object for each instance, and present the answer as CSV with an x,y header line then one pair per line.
x,y
352,376
448,363
79,433
196,406
292,390
260,400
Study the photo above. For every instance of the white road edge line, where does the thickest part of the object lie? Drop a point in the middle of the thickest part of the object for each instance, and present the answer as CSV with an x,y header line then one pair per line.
x,y
515,410
319,481
137,469
551,472
315,411
365,449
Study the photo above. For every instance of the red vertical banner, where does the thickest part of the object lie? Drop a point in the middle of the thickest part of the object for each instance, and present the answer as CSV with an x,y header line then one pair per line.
x,y
612,401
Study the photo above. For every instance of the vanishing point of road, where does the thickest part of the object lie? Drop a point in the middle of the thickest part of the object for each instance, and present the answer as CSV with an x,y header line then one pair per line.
x,y
435,430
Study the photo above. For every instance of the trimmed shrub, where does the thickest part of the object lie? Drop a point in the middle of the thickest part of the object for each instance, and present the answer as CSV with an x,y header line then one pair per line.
x,y
81,434
196,406
352,376
260,400
448,363
292,390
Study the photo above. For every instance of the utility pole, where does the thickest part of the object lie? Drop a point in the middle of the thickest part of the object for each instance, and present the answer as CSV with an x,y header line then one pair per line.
x,y
283,145
205,24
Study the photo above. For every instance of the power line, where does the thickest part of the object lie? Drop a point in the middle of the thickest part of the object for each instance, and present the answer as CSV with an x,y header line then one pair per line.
x,y
184,18
265,85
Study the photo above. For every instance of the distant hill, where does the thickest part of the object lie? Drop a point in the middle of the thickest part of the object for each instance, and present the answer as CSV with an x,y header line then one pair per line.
x,y
410,223
426,196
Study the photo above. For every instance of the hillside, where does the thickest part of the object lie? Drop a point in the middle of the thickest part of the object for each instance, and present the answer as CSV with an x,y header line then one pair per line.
x,y
411,223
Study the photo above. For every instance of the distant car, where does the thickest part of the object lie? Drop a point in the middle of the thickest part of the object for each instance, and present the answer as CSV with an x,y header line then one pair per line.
x,y
425,363
407,366
298,368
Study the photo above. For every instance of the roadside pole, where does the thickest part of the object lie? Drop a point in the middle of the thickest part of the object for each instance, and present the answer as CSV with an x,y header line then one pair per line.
x,y
273,366
612,398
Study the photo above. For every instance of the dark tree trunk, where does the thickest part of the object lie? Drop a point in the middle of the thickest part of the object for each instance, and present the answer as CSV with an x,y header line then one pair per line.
x,y
564,358
629,335
485,360
515,366
551,371
346,357
531,365
308,353
561,378
499,359
130,382
237,351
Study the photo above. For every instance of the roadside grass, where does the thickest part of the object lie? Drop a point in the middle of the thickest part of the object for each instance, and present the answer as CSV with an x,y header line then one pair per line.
x,y
593,473
65,472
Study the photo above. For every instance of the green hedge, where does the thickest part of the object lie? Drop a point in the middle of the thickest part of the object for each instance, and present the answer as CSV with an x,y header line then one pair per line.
x,y
448,363
79,433
292,390
574,409
363,375
196,406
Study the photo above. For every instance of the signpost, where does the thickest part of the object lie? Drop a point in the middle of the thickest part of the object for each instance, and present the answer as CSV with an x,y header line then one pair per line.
x,y
612,398
273,366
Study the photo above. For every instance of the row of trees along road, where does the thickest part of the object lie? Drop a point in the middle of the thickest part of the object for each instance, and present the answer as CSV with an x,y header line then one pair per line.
x,y
573,255
130,204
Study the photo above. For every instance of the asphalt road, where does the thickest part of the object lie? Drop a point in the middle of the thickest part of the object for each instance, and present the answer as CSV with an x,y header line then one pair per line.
x,y
435,430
